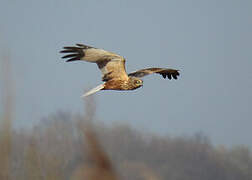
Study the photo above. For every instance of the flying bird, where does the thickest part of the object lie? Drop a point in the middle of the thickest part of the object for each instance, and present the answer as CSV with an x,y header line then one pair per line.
x,y
112,67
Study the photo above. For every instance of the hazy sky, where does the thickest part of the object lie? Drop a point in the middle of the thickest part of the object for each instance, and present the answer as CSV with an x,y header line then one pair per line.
x,y
210,41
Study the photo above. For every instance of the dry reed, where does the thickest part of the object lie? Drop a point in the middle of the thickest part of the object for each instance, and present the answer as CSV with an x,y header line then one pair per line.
x,y
6,119
100,166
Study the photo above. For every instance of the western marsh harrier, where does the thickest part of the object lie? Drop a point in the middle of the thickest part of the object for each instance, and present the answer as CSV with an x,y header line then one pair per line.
x,y
112,67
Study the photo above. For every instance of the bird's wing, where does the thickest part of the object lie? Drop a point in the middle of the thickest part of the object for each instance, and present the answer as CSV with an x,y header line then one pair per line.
x,y
111,65
170,73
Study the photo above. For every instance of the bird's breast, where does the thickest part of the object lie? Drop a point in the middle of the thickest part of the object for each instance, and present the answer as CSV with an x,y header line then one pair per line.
x,y
115,84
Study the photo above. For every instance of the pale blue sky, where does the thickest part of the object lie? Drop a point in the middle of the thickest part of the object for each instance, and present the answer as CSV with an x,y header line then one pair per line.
x,y
210,41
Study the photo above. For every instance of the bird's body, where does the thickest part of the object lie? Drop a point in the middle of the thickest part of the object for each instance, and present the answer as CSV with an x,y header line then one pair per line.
x,y
112,67
123,85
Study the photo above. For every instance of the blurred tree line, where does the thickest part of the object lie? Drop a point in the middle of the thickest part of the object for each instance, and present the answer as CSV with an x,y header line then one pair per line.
x,y
57,148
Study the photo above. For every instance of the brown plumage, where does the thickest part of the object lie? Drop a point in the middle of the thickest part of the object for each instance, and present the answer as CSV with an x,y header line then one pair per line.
x,y
112,67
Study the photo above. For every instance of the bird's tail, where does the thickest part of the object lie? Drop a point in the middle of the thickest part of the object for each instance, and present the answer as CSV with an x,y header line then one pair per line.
x,y
94,90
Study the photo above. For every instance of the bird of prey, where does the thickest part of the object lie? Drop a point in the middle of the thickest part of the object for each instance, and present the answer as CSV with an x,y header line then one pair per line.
x,y
112,67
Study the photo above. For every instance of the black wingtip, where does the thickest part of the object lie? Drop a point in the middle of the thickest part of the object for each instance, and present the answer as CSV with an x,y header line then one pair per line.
x,y
171,74
73,53
174,76
83,46
70,55
68,51
73,59
80,45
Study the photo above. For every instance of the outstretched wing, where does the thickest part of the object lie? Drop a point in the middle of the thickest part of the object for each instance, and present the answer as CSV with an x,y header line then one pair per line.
x,y
111,65
170,73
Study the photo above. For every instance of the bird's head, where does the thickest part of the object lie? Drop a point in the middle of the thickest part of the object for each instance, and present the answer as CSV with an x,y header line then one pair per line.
x,y
136,82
